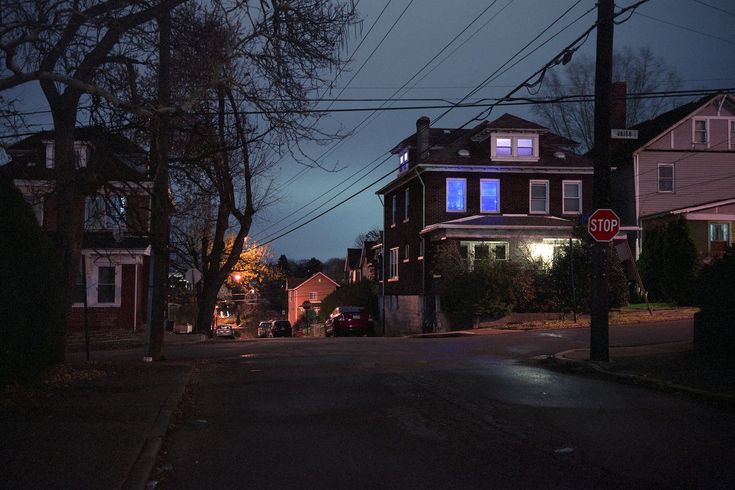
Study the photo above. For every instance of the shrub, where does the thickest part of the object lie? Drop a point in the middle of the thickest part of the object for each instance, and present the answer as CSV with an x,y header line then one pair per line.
x,y
359,294
32,306
715,285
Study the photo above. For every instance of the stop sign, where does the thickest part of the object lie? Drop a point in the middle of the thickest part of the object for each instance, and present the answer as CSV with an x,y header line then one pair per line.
x,y
306,304
603,225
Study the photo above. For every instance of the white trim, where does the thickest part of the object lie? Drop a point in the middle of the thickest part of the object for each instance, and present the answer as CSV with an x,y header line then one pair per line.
x,y
710,217
715,204
497,181
636,185
312,277
446,195
514,157
563,197
93,282
531,183
536,169
391,263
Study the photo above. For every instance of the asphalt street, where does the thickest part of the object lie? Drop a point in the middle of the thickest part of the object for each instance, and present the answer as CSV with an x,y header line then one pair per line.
x,y
466,412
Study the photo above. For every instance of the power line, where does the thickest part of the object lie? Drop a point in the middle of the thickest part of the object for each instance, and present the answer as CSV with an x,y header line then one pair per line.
x,y
679,26
729,12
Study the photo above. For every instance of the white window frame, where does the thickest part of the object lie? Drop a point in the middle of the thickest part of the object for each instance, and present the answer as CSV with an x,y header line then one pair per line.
x,y
709,230
564,198
497,182
93,282
531,183
313,296
464,195
514,137
706,131
658,178
394,207
406,203
393,265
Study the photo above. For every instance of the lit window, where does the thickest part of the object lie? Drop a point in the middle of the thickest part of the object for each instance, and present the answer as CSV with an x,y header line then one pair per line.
x,y
539,199
666,177
394,205
456,195
572,197
719,232
700,131
525,147
403,162
106,284
489,195
393,265
504,147
406,203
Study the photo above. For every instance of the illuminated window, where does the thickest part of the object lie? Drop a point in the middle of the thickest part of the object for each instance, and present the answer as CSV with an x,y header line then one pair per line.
x,y
456,195
539,196
489,195
719,232
666,177
572,197
504,147
403,162
525,147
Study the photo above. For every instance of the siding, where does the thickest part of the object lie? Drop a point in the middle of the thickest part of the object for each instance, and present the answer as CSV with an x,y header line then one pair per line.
x,y
319,284
699,178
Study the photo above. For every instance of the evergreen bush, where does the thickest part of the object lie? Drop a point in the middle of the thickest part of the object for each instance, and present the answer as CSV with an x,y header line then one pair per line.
x,y
32,306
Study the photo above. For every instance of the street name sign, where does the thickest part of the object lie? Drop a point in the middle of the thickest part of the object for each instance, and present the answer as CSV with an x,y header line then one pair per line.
x,y
624,134
603,225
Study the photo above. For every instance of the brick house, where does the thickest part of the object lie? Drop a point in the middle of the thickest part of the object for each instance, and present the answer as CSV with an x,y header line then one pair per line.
x,y
314,289
115,245
683,163
508,189
362,264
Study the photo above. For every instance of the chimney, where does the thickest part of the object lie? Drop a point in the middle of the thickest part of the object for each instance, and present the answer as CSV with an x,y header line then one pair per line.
x,y
618,97
422,137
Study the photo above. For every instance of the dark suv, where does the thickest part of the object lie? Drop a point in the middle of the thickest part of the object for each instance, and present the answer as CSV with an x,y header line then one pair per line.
x,y
349,320
280,328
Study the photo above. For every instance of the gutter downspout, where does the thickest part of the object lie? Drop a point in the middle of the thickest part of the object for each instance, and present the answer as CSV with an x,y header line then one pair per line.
x,y
423,243
382,272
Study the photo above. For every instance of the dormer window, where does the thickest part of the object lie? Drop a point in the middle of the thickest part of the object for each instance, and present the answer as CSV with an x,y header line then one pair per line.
x,y
403,162
81,154
514,147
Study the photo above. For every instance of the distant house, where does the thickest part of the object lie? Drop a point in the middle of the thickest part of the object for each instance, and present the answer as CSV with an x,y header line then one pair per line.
x,y
682,164
314,289
507,189
353,271
115,247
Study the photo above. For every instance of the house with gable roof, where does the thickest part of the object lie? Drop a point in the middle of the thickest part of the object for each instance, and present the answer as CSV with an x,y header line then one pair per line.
x,y
682,164
115,246
313,289
507,189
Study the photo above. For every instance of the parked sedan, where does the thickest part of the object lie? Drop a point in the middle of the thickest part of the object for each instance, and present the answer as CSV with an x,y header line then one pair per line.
x,y
264,329
280,328
225,331
349,320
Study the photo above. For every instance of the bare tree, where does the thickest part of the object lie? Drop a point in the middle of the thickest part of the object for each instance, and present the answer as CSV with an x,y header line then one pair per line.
x,y
640,68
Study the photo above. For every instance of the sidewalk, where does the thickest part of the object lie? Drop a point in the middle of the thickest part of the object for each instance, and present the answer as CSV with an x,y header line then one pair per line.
x,y
124,339
97,425
672,366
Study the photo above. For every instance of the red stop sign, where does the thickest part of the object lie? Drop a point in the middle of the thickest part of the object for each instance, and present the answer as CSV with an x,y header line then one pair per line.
x,y
603,225
306,304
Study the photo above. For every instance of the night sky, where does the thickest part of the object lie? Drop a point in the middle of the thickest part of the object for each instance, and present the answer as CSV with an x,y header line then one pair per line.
x,y
696,37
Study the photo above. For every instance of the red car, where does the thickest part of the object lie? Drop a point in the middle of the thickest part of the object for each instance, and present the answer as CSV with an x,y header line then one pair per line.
x,y
349,320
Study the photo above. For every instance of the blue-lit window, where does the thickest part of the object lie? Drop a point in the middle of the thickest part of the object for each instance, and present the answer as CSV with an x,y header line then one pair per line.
x,y
525,147
456,195
504,147
403,162
489,195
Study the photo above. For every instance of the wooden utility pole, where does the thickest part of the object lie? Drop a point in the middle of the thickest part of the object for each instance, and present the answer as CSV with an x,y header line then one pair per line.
x,y
599,335
160,205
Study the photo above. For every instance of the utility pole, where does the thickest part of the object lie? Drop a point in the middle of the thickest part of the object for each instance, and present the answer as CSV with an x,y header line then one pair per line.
x,y
160,205
599,335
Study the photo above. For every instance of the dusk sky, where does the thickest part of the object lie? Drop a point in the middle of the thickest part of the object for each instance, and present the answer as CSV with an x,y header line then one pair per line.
x,y
695,37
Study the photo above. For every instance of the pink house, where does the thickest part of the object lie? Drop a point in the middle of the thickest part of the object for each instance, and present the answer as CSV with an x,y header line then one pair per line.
x,y
313,289
683,163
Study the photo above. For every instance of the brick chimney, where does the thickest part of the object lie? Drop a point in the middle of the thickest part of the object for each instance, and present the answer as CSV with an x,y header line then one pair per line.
x,y
422,137
618,98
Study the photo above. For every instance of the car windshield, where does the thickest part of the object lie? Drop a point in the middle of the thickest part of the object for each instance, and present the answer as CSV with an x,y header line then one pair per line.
x,y
350,309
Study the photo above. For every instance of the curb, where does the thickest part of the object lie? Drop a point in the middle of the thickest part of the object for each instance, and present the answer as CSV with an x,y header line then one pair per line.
x,y
439,335
656,383
139,473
